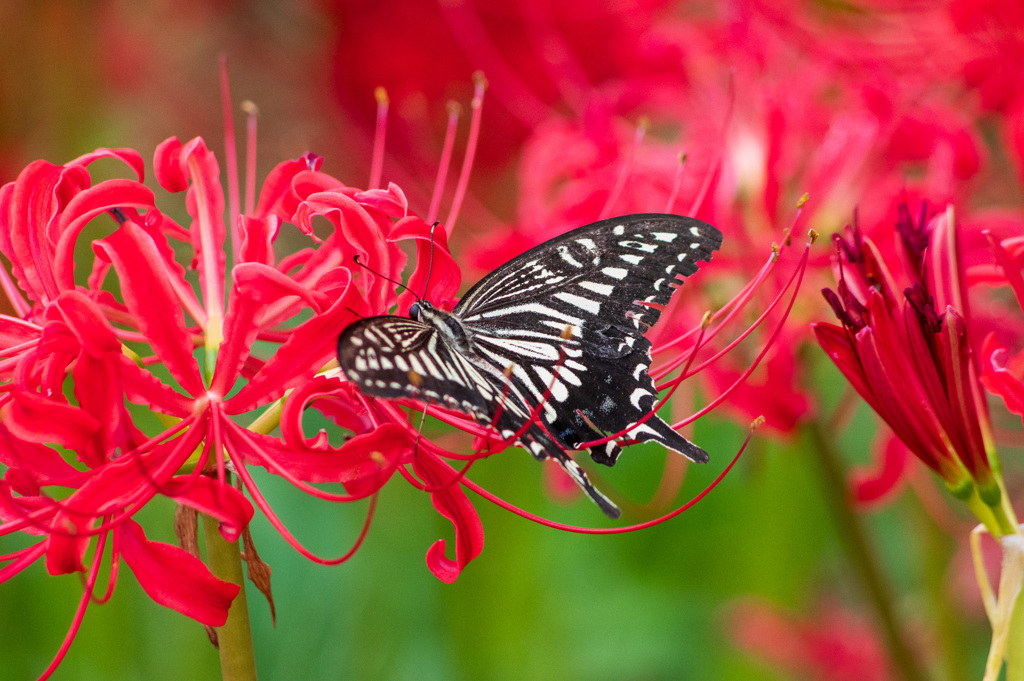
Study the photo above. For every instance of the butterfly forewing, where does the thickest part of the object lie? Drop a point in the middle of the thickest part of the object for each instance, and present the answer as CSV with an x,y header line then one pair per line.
x,y
396,357
597,272
559,329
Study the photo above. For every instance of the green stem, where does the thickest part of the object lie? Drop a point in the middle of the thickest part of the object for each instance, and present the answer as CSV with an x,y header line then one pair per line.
x,y
862,555
1015,643
237,661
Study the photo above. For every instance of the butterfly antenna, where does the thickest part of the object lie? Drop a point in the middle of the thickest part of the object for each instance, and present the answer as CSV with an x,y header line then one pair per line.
x,y
430,262
366,267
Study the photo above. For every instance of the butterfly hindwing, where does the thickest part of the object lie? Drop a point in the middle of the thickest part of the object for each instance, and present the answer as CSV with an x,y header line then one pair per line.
x,y
558,329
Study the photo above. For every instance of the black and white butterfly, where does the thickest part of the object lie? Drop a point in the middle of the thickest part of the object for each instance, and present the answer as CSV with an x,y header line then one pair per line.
x,y
560,326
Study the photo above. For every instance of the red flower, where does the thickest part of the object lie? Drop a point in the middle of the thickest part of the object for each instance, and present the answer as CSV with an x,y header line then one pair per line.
x,y
906,349
831,645
1002,372
133,330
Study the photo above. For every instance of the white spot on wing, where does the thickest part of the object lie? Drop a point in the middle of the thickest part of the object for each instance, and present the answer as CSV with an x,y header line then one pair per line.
x,y
619,230
639,245
638,395
602,289
591,306
664,236
632,259
615,272
563,251
558,390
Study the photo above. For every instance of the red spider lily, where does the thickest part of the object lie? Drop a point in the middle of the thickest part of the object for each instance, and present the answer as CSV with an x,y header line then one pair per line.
x,y
134,330
908,353
831,645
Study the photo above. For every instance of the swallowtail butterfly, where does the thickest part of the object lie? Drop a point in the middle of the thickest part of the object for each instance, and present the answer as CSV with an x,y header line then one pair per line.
x,y
560,326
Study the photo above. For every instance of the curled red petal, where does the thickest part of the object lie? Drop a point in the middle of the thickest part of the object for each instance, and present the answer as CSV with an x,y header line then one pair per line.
x,y
169,171
142,387
32,207
289,184
432,258
1003,375
450,501
85,206
885,478
366,460
258,236
87,321
208,495
175,578
44,465
130,157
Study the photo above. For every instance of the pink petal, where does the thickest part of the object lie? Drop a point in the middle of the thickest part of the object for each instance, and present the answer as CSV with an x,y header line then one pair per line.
x,y
150,297
14,331
175,578
34,418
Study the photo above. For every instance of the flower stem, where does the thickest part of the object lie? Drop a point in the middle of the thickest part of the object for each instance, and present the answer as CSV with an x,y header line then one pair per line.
x,y
862,555
237,661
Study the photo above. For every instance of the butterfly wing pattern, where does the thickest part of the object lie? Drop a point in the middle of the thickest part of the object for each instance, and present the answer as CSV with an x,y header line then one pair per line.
x,y
556,334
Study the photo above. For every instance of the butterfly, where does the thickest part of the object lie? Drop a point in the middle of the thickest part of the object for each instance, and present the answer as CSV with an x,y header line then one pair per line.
x,y
554,336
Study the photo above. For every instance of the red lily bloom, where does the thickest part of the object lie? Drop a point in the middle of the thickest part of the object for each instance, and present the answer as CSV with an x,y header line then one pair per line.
x,y
831,645
907,352
128,331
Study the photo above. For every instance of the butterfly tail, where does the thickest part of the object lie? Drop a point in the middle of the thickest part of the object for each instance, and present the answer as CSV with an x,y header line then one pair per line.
x,y
656,430
542,446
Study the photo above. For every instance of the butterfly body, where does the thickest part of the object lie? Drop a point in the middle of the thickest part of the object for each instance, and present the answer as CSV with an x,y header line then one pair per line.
x,y
555,335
